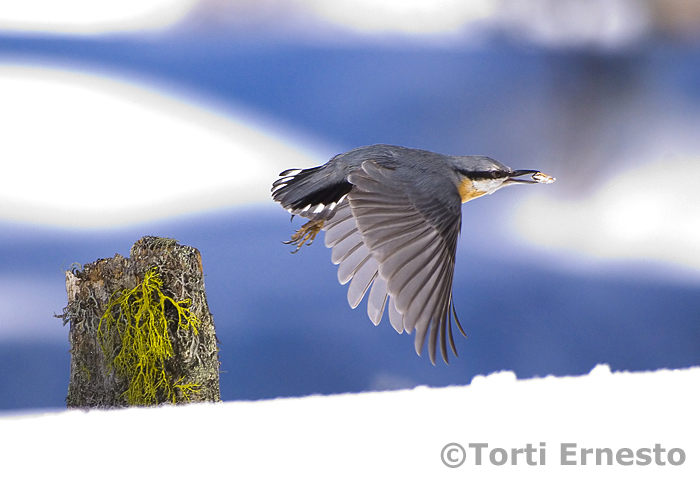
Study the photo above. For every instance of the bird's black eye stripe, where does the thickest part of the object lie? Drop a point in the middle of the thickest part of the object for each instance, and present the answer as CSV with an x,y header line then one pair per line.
x,y
483,175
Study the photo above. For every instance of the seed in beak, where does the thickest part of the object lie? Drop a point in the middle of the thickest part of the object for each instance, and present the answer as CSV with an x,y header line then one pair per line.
x,y
543,178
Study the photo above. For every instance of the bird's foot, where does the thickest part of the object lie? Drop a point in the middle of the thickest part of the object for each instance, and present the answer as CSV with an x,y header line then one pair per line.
x,y
306,234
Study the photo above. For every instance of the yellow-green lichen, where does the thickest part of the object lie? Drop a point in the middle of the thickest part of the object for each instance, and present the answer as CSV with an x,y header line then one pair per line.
x,y
135,339
187,389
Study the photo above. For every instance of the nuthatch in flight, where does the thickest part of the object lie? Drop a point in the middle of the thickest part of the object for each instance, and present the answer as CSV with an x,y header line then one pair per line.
x,y
392,216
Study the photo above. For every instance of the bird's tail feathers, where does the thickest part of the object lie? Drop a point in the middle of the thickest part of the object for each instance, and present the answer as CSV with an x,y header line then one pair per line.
x,y
311,193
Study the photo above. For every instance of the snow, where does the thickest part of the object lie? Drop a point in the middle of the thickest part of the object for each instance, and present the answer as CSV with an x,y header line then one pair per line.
x,y
383,435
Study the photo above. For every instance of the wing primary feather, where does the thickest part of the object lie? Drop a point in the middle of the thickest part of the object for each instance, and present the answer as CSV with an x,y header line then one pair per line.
x,y
355,295
449,328
459,325
420,340
443,329
375,309
369,283
432,341
395,318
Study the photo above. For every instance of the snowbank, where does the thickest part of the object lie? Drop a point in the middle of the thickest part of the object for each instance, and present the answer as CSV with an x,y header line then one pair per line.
x,y
647,419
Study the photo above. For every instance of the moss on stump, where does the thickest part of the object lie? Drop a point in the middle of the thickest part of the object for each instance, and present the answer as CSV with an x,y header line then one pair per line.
x,y
140,329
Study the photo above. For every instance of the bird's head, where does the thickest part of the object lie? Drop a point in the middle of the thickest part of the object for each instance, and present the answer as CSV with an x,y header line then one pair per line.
x,y
479,175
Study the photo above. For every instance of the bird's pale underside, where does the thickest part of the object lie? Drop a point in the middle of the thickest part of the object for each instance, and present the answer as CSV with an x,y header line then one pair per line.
x,y
392,216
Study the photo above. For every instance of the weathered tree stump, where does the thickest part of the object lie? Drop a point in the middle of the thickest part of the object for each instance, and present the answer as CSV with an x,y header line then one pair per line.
x,y
140,329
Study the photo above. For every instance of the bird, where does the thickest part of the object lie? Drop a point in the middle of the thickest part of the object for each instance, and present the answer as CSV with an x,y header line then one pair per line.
x,y
392,216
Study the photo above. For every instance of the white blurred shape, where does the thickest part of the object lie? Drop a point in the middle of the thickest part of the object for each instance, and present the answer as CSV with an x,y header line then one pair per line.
x,y
408,16
85,151
554,23
388,381
650,212
564,23
90,16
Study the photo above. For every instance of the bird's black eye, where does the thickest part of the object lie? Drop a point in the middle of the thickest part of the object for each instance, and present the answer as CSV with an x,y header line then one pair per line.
x,y
484,175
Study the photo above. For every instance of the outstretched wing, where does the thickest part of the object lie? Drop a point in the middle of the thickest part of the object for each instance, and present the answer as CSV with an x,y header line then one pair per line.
x,y
403,255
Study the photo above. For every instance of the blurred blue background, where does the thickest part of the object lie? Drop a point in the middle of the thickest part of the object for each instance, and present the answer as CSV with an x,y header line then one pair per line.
x,y
584,95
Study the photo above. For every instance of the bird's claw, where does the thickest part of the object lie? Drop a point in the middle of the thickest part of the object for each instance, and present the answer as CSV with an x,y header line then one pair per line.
x,y
305,235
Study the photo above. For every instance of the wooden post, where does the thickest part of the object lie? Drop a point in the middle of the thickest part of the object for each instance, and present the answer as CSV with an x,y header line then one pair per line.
x,y
140,329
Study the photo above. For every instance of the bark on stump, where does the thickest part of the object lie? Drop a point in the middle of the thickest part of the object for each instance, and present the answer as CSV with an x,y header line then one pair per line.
x,y
140,329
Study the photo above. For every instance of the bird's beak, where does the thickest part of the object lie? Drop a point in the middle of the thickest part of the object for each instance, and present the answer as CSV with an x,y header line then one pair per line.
x,y
513,177
537,177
